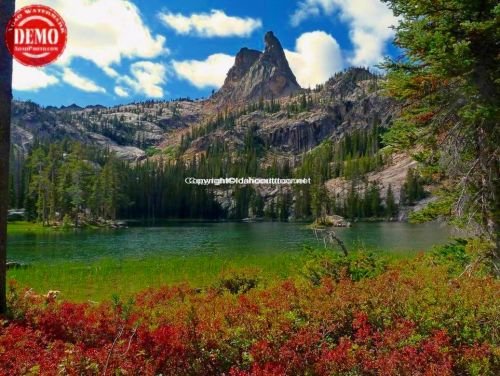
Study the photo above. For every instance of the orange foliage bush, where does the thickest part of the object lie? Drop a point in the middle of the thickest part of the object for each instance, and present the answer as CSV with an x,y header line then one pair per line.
x,y
409,320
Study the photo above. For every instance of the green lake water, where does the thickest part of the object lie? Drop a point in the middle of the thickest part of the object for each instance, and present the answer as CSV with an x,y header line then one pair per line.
x,y
223,238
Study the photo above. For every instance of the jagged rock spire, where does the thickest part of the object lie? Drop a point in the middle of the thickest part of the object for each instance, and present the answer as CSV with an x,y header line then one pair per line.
x,y
258,75
274,53
243,61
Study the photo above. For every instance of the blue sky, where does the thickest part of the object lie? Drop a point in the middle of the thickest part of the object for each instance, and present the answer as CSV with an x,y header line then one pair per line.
x,y
121,51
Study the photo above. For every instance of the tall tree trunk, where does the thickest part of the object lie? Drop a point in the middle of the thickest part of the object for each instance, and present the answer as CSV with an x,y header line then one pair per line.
x,y
6,12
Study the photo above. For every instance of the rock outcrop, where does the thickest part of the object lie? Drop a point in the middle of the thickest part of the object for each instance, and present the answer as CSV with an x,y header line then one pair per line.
x,y
393,174
257,75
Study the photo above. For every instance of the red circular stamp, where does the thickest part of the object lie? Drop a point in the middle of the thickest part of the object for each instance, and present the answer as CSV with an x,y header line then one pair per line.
x,y
36,35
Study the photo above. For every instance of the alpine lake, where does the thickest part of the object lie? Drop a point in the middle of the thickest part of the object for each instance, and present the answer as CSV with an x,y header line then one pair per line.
x,y
90,264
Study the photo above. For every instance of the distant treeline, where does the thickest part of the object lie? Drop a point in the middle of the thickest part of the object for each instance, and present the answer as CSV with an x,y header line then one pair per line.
x,y
73,182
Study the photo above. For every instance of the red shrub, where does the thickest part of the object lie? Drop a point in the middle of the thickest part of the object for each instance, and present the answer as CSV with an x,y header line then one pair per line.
x,y
403,322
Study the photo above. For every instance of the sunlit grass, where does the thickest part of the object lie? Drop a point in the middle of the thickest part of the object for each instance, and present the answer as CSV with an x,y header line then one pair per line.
x,y
99,280
23,227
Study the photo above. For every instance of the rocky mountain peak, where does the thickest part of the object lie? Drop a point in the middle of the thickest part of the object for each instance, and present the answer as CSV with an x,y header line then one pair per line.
x,y
275,54
272,43
258,75
243,61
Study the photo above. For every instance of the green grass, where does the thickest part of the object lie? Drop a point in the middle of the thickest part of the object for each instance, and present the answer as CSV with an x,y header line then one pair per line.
x,y
23,227
101,279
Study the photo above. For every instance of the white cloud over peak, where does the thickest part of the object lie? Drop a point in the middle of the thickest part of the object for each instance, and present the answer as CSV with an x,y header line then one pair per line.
x,y
30,78
82,83
104,32
146,78
205,73
369,24
316,58
213,24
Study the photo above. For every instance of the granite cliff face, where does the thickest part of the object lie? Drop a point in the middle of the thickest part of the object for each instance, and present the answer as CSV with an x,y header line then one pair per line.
x,y
350,101
258,75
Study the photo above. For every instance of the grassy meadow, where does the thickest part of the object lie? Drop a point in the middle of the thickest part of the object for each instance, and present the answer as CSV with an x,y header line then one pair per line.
x,y
24,227
97,281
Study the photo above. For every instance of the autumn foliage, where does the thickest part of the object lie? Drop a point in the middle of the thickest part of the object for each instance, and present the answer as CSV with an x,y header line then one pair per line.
x,y
411,319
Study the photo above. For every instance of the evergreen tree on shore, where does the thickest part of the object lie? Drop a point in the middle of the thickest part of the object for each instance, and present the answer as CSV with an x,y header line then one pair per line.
x,y
391,208
448,81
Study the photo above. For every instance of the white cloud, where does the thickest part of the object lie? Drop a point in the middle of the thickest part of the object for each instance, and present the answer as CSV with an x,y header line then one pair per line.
x,y
104,32
121,92
369,22
310,8
110,72
146,78
213,24
205,73
30,78
82,83
316,58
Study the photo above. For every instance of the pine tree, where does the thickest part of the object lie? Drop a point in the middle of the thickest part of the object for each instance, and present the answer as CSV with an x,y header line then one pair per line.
x,y
257,205
352,207
39,185
270,211
319,199
449,84
375,201
303,103
391,209
284,206
413,189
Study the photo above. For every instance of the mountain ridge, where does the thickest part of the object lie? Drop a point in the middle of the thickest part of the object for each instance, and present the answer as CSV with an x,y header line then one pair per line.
x,y
344,103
